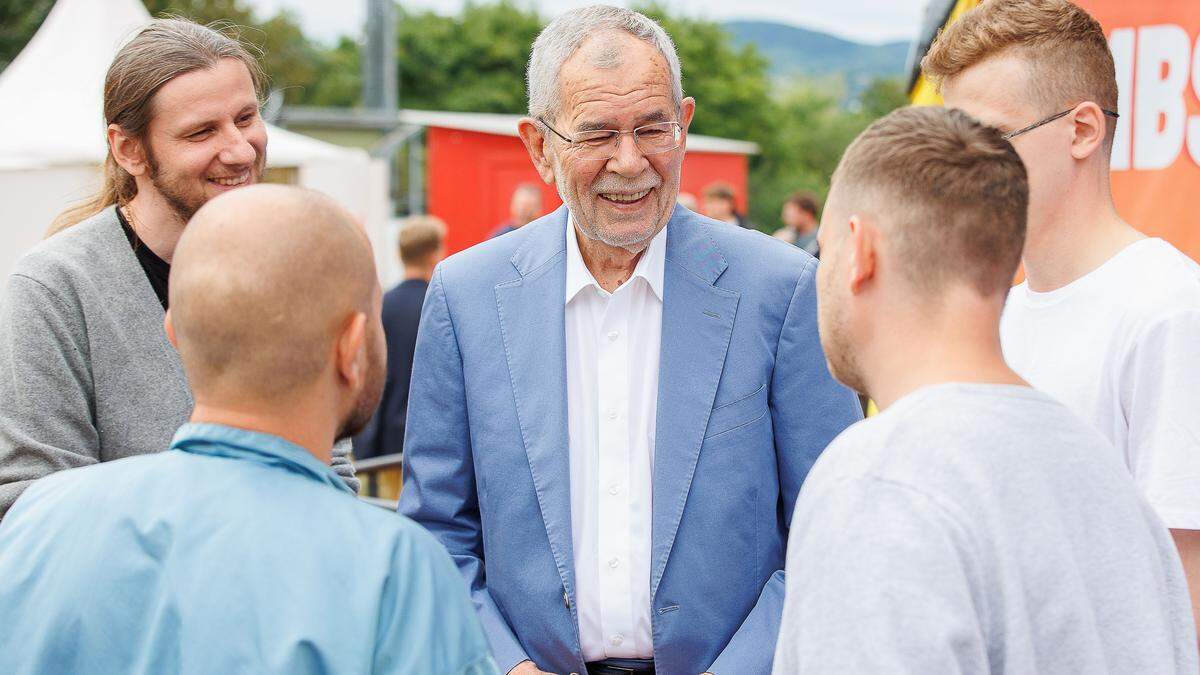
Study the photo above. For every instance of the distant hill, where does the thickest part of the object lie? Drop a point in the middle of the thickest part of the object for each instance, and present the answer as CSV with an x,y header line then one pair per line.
x,y
793,51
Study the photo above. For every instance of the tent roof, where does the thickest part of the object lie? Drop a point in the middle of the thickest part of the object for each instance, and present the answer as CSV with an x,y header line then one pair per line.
x,y
51,95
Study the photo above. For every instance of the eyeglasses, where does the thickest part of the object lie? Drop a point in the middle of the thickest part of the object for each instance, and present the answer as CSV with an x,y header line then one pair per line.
x,y
1013,134
650,139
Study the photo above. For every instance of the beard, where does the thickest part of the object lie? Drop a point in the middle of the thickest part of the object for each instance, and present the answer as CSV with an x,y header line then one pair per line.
x,y
633,240
368,398
183,194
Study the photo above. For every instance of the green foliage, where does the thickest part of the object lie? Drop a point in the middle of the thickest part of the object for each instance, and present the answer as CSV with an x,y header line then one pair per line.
x,y
471,62
729,84
808,135
307,72
19,20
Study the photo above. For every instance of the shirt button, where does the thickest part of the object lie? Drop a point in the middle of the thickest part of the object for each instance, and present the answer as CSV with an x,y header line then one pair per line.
x,y
613,489
614,563
617,639
613,335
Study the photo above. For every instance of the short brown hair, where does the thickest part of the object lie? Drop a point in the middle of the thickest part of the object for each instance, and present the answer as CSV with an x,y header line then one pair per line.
x,y
952,191
805,201
420,236
720,190
1070,61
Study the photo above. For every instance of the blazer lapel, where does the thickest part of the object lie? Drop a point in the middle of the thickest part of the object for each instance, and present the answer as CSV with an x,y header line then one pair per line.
x,y
531,311
696,327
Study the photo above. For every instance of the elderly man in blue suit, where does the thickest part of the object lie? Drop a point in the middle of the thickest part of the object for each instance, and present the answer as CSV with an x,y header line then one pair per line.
x,y
613,408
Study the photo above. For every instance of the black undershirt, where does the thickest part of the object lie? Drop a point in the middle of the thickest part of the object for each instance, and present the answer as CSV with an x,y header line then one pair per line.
x,y
157,270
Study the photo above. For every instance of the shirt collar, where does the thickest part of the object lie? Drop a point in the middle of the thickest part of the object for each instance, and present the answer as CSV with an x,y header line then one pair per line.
x,y
218,440
650,266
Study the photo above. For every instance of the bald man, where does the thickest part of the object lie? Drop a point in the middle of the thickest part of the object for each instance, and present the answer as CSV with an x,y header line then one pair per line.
x,y
217,555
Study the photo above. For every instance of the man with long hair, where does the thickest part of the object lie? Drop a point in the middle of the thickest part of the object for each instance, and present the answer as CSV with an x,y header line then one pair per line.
x,y
86,372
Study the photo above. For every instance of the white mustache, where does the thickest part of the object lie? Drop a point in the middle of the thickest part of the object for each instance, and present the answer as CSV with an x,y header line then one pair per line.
x,y
609,186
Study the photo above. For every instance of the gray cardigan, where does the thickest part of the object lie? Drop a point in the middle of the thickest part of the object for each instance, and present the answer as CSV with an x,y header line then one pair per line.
x,y
86,372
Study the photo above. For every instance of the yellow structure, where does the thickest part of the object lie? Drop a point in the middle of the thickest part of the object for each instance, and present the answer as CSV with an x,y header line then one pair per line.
x,y
922,92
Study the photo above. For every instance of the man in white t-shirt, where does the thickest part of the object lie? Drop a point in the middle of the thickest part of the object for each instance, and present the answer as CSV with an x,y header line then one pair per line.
x,y
1108,320
975,525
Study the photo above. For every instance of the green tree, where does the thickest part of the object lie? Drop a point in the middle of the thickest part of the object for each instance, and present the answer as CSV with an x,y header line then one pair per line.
x,y
305,71
471,62
810,131
19,20
730,85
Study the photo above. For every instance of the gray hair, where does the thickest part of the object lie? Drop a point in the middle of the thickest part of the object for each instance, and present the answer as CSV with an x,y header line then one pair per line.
x,y
563,36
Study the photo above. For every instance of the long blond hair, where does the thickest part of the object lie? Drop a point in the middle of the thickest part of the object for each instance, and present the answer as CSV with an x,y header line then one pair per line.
x,y
160,52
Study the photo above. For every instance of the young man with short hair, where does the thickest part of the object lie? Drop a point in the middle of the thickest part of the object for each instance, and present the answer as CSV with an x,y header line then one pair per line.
x,y
720,203
975,525
1107,320
422,247
86,373
799,215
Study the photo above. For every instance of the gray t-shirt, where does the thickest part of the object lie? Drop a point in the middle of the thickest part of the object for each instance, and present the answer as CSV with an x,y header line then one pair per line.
x,y
979,529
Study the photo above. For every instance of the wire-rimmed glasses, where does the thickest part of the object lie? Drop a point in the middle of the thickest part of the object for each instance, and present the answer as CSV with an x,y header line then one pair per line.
x,y
1013,134
602,144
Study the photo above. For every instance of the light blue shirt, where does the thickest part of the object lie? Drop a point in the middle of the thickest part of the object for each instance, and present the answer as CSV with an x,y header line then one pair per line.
x,y
233,552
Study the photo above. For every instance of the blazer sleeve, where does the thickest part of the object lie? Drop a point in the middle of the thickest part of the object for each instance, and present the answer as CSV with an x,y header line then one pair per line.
x,y
439,479
46,393
808,410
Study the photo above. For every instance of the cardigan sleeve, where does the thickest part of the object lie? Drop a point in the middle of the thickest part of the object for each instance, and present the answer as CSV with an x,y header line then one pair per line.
x,y
46,392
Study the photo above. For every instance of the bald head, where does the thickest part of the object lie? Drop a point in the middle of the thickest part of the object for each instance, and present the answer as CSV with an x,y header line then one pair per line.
x,y
263,281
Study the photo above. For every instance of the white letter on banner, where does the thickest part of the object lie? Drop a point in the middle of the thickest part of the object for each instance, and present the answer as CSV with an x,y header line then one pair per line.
x,y
1193,132
1121,44
1160,95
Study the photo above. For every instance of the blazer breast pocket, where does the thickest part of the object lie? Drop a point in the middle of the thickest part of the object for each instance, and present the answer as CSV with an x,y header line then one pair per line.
x,y
737,413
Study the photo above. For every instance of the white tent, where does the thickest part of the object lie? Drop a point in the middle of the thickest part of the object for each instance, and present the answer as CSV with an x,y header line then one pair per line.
x,y
52,138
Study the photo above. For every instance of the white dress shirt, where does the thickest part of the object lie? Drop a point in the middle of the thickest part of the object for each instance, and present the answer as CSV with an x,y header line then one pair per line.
x,y
612,354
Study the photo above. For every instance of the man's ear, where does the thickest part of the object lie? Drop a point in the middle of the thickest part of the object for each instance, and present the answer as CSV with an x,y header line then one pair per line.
x,y
170,329
350,351
127,151
687,110
535,140
863,241
1089,130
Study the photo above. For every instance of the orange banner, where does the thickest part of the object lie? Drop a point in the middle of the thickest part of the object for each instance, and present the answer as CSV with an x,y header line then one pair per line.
x,y
1156,154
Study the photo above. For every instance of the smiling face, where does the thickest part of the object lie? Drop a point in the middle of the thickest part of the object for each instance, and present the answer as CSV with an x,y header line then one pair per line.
x,y
206,137
627,199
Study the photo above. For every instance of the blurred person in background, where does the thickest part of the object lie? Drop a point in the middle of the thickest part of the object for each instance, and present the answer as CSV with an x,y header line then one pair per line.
x,y
975,525
720,203
525,205
239,549
1107,319
612,408
688,201
799,217
86,372
422,247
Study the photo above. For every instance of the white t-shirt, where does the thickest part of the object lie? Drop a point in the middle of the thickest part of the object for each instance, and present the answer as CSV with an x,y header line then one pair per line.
x,y
1121,347
979,528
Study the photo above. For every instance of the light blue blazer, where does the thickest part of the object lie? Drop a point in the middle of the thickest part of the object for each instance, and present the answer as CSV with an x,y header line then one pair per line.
x,y
745,405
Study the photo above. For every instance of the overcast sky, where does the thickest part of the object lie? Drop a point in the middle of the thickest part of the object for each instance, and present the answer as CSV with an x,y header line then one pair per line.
x,y
861,20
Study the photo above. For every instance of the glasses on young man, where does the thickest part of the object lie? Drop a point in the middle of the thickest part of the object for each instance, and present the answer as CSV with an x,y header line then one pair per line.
x,y
602,144
1013,134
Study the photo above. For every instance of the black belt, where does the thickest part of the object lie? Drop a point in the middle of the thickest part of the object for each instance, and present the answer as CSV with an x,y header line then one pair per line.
x,y
626,667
